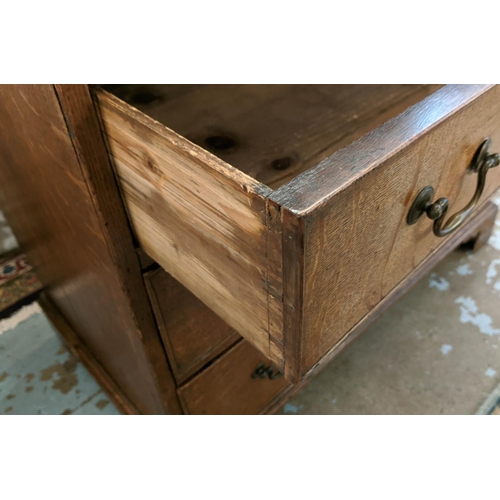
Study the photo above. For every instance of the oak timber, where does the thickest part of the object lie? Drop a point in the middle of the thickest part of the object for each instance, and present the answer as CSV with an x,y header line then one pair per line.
x,y
272,132
227,388
90,148
202,220
192,333
335,238
356,244
59,204
472,236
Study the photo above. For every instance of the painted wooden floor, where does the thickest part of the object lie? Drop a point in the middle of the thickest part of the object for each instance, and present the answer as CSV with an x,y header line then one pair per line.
x,y
38,376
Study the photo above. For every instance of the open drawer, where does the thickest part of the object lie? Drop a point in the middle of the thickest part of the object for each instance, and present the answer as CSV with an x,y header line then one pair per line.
x,y
285,208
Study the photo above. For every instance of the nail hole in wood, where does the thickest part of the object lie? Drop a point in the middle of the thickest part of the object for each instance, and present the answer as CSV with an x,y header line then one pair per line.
x,y
281,163
220,142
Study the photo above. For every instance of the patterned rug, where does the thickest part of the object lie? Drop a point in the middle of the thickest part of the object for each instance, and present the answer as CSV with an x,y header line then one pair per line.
x,y
18,283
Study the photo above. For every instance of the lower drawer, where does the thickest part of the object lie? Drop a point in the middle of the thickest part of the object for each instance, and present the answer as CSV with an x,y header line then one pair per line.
x,y
241,382
192,333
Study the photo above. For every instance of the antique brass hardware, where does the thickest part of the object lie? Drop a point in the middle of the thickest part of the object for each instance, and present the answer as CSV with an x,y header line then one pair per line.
x,y
481,163
263,371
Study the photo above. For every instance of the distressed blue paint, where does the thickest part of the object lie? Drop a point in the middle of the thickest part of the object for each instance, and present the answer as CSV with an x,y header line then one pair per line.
x,y
32,359
291,409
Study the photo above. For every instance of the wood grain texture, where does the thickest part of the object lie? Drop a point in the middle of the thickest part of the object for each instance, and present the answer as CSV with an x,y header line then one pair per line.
x,y
315,188
274,278
344,240
227,388
293,230
477,228
203,221
357,245
272,132
89,144
58,197
192,333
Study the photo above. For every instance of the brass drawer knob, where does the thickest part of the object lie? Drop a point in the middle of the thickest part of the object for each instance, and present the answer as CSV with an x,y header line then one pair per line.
x,y
263,371
481,163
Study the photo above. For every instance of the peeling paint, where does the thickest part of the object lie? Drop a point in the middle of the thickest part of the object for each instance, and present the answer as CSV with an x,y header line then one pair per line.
x,y
494,240
492,271
66,377
62,350
290,408
439,283
446,349
469,313
32,351
102,403
464,270
490,372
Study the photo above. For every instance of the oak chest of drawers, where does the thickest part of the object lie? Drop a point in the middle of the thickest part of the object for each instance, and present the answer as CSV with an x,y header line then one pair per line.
x,y
207,248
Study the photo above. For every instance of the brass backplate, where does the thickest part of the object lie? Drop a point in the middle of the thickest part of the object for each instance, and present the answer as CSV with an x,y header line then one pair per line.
x,y
422,201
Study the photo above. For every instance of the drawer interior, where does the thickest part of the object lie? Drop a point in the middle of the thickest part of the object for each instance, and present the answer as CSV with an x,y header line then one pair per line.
x,y
272,132
192,333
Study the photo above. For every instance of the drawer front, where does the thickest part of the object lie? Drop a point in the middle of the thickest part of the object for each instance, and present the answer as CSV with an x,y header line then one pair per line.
x,y
346,221
228,388
191,332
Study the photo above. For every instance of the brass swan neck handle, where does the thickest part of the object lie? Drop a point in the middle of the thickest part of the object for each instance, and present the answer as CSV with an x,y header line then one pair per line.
x,y
481,163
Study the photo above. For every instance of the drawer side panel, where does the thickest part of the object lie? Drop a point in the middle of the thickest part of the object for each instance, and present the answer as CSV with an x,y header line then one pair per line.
x,y
203,221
